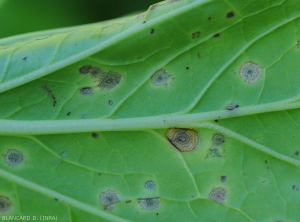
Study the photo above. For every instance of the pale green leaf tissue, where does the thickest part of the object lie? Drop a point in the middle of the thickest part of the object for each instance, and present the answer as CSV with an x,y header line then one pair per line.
x,y
187,112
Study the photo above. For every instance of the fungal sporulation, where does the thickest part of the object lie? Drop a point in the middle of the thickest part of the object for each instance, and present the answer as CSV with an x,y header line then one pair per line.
x,y
250,72
230,14
50,94
218,140
109,198
218,194
150,185
86,90
160,77
85,69
232,106
184,140
5,205
109,80
196,35
14,157
149,203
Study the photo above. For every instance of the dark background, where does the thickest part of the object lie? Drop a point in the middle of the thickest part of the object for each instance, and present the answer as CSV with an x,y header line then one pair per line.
x,y
22,16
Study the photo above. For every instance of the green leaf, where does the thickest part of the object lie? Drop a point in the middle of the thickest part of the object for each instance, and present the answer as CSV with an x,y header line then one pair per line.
x,y
187,112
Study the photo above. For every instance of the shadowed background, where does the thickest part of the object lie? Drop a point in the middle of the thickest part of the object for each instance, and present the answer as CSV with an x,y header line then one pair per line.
x,y
17,17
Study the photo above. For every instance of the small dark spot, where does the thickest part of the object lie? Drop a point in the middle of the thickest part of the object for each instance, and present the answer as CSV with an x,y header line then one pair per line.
x,y
217,35
5,205
139,57
199,55
216,120
128,201
144,22
232,106
223,179
187,68
69,113
266,161
152,31
156,214
25,58
297,153
55,199
196,35
230,14
86,90
85,69
50,94
99,174
95,135
295,188
264,181
209,18
14,157
110,102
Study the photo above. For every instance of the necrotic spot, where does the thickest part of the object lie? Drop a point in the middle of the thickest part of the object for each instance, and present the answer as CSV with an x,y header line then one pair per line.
x,y
160,77
85,69
195,35
86,90
109,197
230,14
150,185
250,72
94,71
14,157
109,80
184,140
149,203
218,140
95,135
232,106
223,179
218,194
5,205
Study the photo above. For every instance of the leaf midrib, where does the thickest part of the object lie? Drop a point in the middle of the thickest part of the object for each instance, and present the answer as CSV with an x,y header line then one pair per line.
x,y
40,127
